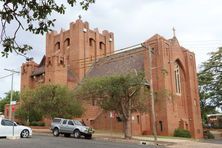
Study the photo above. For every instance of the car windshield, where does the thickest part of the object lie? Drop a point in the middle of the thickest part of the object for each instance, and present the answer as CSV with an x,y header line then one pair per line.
x,y
77,122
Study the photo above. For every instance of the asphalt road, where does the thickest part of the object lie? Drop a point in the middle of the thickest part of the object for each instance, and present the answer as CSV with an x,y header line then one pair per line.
x,y
46,141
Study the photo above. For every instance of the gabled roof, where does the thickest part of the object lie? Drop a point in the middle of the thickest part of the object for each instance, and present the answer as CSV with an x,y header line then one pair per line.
x,y
42,63
120,63
38,71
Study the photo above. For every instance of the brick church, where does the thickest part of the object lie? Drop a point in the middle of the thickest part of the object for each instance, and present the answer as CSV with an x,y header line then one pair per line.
x,y
80,52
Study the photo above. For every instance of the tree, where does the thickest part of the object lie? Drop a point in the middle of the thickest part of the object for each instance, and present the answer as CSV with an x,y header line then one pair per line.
x,y
119,93
6,99
32,16
28,110
210,84
49,101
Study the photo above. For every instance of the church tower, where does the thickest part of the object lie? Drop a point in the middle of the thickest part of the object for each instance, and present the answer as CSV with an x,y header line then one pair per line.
x,y
70,54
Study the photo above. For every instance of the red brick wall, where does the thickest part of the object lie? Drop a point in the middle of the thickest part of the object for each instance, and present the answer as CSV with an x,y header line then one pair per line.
x,y
172,110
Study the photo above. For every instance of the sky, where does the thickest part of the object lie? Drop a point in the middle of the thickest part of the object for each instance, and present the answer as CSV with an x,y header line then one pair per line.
x,y
197,23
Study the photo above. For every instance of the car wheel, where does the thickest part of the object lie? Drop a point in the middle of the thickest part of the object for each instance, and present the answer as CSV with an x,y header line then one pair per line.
x,y
88,136
76,133
66,135
56,132
25,133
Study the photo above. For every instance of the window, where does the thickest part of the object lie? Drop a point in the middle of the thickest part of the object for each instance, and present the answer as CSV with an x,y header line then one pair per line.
x,y
186,126
195,102
161,125
56,120
61,60
64,122
49,62
101,45
177,78
70,123
67,42
91,42
7,123
138,119
57,46
77,122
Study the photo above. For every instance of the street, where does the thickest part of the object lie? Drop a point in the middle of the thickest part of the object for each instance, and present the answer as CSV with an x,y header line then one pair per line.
x,y
46,141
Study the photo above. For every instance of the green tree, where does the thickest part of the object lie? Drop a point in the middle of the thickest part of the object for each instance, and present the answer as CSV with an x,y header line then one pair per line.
x,y
57,101
210,84
30,15
6,99
28,110
119,93
48,101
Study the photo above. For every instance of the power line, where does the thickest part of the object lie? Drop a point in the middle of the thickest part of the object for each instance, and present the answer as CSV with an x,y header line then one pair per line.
x,y
93,58
110,53
89,60
114,59
120,57
5,76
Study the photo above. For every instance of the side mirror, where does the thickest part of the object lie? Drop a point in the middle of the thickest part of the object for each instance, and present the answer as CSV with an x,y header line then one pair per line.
x,y
15,124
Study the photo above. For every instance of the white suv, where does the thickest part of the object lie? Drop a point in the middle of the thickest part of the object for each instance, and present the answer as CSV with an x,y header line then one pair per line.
x,y
6,129
68,127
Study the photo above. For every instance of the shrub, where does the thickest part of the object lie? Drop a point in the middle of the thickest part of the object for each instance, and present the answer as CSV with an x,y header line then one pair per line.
x,y
182,133
37,123
208,135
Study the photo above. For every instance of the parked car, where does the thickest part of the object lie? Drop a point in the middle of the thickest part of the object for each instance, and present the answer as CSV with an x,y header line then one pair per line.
x,y
6,129
68,127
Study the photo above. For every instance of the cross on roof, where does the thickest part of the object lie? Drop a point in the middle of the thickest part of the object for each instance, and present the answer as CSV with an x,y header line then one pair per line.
x,y
80,17
174,32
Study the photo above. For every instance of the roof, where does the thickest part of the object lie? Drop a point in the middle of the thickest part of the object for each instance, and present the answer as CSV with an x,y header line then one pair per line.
x,y
42,63
38,71
120,63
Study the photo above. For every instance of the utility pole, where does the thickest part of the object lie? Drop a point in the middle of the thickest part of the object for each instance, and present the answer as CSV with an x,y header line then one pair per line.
x,y
10,104
152,96
151,92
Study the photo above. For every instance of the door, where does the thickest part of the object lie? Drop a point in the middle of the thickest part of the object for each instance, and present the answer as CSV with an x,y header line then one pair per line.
x,y
70,127
6,128
63,127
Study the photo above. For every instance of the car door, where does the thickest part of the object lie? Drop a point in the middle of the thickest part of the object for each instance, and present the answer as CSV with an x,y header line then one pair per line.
x,y
2,130
6,128
70,126
63,127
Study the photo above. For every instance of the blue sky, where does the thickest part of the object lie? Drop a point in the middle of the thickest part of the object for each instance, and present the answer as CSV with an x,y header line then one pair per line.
x,y
197,24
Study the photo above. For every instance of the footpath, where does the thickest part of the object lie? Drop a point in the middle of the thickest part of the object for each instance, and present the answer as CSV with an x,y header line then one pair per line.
x,y
169,142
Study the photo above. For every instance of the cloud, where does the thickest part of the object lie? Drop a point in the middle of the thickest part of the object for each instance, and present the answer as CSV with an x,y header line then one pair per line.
x,y
197,23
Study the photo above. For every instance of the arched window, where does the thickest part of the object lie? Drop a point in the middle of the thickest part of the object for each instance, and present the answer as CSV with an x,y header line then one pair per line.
x,y
91,42
67,42
101,45
177,78
57,46
161,125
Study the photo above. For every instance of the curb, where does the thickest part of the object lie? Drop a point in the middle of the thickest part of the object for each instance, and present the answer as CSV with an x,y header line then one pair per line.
x,y
13,137
111,139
